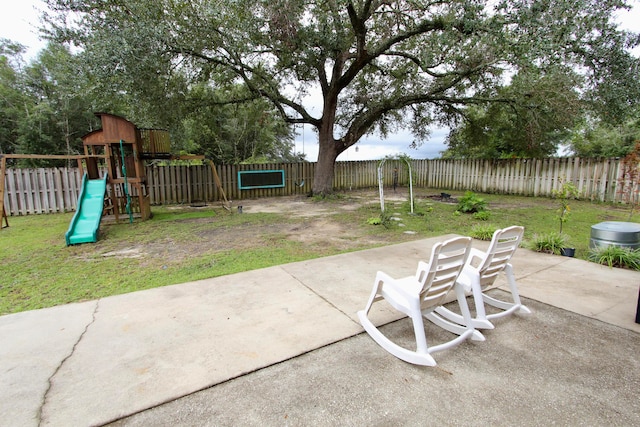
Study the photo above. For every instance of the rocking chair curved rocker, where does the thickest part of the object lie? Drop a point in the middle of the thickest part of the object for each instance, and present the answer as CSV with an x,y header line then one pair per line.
x,y
418,296
478,279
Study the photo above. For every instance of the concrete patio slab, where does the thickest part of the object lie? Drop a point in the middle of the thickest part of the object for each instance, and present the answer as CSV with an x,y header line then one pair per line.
x,y
551,368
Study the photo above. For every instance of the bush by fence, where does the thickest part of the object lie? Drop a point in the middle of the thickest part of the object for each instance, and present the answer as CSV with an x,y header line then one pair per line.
x,y
36,191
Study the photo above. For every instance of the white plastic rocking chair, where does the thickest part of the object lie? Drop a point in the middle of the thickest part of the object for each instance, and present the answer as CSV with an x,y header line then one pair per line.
x,y
418,296
477,279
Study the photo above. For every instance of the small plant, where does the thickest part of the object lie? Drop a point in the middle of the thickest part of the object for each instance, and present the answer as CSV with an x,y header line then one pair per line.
x,y
483,231
616,256
374,221
551,243
568,191
470,203
384,219
481,216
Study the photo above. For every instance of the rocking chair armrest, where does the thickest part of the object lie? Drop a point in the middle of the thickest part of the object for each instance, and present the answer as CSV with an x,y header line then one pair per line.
x,y
381,276
398,286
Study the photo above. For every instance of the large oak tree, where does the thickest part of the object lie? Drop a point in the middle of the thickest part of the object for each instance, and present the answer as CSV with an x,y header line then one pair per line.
x,y
375,65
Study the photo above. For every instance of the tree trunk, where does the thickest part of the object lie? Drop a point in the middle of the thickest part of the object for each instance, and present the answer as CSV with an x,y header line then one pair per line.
x,y
327,155
329,148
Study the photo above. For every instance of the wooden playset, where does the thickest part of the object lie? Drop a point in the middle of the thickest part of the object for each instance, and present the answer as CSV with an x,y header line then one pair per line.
x,y
124,149
117,153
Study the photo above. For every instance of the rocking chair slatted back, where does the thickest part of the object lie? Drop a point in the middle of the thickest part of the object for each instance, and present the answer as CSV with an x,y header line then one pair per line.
x,y
503,245
447,260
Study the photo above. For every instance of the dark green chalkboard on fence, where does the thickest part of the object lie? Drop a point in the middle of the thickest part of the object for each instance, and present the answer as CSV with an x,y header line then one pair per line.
x,y
260,179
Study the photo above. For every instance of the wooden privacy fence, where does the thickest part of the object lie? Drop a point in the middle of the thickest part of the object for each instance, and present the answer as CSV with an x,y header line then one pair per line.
x,y
35,191
41,190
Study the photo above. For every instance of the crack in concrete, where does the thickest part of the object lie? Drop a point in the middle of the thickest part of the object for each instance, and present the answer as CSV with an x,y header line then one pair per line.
x,y
63,361
313,291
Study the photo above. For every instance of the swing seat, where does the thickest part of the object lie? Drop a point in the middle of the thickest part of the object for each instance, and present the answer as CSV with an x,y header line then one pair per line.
x,y
480,273
419,296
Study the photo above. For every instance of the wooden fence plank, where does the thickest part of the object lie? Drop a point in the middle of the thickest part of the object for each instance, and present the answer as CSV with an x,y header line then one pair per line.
x,y
28,192
57,184
12,193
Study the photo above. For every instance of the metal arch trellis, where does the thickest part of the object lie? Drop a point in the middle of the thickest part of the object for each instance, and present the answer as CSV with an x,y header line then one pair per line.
x,y
381,187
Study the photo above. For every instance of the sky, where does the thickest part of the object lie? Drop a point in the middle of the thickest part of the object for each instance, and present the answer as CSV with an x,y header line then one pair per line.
x,y
19,21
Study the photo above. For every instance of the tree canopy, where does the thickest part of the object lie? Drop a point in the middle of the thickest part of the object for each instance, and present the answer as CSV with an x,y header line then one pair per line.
x,y
353,67
43,108
596,138
543,110
48,104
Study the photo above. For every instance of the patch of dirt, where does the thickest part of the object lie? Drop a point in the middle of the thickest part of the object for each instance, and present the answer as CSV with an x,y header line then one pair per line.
x,y
125,253
304,219
301,206
310,222
443,197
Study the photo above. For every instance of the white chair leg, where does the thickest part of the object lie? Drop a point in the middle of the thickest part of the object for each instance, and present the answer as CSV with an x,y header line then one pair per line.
x,y
459,319
502,305
418,329
466,314
373,297
511,280
450,315
465,330
438,320
480,321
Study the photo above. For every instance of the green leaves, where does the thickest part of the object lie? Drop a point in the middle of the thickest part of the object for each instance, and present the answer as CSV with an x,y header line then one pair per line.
x,y
355,68
44,108
551,243
616,256
471,203
567,191
540,108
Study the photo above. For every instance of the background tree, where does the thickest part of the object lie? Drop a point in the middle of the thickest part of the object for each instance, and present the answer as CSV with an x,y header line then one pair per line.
x,y
542,110
378,65
59,116
14,100
597,138
235,133
130,74
47,105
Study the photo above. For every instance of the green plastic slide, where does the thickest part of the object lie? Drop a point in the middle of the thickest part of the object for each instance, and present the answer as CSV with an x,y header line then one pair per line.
x,y
86,221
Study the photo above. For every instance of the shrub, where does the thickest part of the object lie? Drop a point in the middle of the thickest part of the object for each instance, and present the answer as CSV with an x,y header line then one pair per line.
x,y
616,256
483,231
470,203
551,243
481,216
